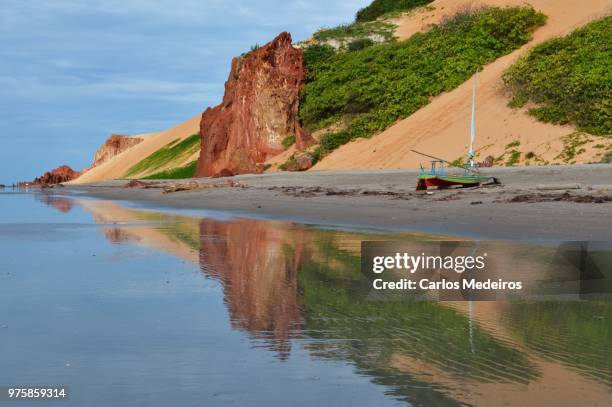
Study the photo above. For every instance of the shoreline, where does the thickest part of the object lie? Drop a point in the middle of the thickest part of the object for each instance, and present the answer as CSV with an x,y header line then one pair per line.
x,y
534,203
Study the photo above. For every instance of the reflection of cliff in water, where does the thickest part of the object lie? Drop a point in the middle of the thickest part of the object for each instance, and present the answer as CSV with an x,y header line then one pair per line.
x,y
259,276
282,280
60,203
289,285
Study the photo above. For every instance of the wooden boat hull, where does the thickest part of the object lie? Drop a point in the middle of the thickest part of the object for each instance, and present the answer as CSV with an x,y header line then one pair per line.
x,y
439,181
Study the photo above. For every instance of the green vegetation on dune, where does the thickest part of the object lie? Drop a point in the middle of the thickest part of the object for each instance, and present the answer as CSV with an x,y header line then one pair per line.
x,y
172,151
360,44
569,79
372,25
187,171
356,31
288,141
380,7
371,88
317,54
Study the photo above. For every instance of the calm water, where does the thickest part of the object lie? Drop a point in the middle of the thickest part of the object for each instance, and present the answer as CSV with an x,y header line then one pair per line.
x,y
135,307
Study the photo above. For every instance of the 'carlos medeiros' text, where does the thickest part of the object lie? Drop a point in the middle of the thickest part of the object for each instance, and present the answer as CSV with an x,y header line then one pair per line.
x,y
466,284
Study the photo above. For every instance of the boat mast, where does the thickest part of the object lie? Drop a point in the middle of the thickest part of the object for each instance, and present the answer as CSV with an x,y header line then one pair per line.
x,y
472,127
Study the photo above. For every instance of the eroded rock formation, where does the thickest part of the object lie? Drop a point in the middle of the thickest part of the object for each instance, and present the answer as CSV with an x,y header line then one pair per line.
x,y
114,145
259,110
61,174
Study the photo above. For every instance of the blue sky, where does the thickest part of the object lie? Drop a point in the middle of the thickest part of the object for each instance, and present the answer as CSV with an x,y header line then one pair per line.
x,y
75,71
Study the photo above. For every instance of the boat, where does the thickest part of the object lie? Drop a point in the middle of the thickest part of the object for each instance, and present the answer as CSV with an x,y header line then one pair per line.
x,y
436,175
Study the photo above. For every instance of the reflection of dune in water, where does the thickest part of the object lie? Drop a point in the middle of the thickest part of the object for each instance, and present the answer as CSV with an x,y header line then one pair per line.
x,y
555,386
577,334
558,382
148,229
283,281
346,326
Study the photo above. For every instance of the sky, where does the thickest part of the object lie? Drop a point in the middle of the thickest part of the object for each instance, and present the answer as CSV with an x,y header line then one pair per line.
x,y
72,72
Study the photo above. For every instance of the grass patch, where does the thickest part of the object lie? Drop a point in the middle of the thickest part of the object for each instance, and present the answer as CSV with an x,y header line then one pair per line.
x,y
356,31
572,147
512,155
519,100
165,155
360,44
253,48
290,163
187,171
331,141
370,89
513,144
515,157
569,79
288,141
380,7
318,54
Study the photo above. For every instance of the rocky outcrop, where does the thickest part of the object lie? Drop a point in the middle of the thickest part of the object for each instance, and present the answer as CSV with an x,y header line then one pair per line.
x,y
60,174
114,145
259,110
300,162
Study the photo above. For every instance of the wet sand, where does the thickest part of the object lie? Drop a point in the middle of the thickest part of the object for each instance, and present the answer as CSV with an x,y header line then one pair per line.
x,y
558,202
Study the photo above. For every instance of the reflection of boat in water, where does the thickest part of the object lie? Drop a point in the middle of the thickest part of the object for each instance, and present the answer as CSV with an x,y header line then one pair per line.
x,y
436,176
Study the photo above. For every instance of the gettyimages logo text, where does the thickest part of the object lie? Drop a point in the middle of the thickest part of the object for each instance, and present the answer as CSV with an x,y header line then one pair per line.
x,y
491,270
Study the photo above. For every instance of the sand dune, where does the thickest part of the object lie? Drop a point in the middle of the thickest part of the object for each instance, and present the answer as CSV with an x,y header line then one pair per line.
x,y
442,127
117,166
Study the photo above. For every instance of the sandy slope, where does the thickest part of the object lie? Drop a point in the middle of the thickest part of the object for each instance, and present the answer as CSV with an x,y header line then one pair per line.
x,y
442,127
117,166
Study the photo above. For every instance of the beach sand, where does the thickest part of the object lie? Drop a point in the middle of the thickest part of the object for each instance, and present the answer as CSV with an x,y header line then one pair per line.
x,y
533,203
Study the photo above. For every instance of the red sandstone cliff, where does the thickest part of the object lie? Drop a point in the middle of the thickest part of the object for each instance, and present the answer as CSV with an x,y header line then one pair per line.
x,y
60,174
259,109
114,145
